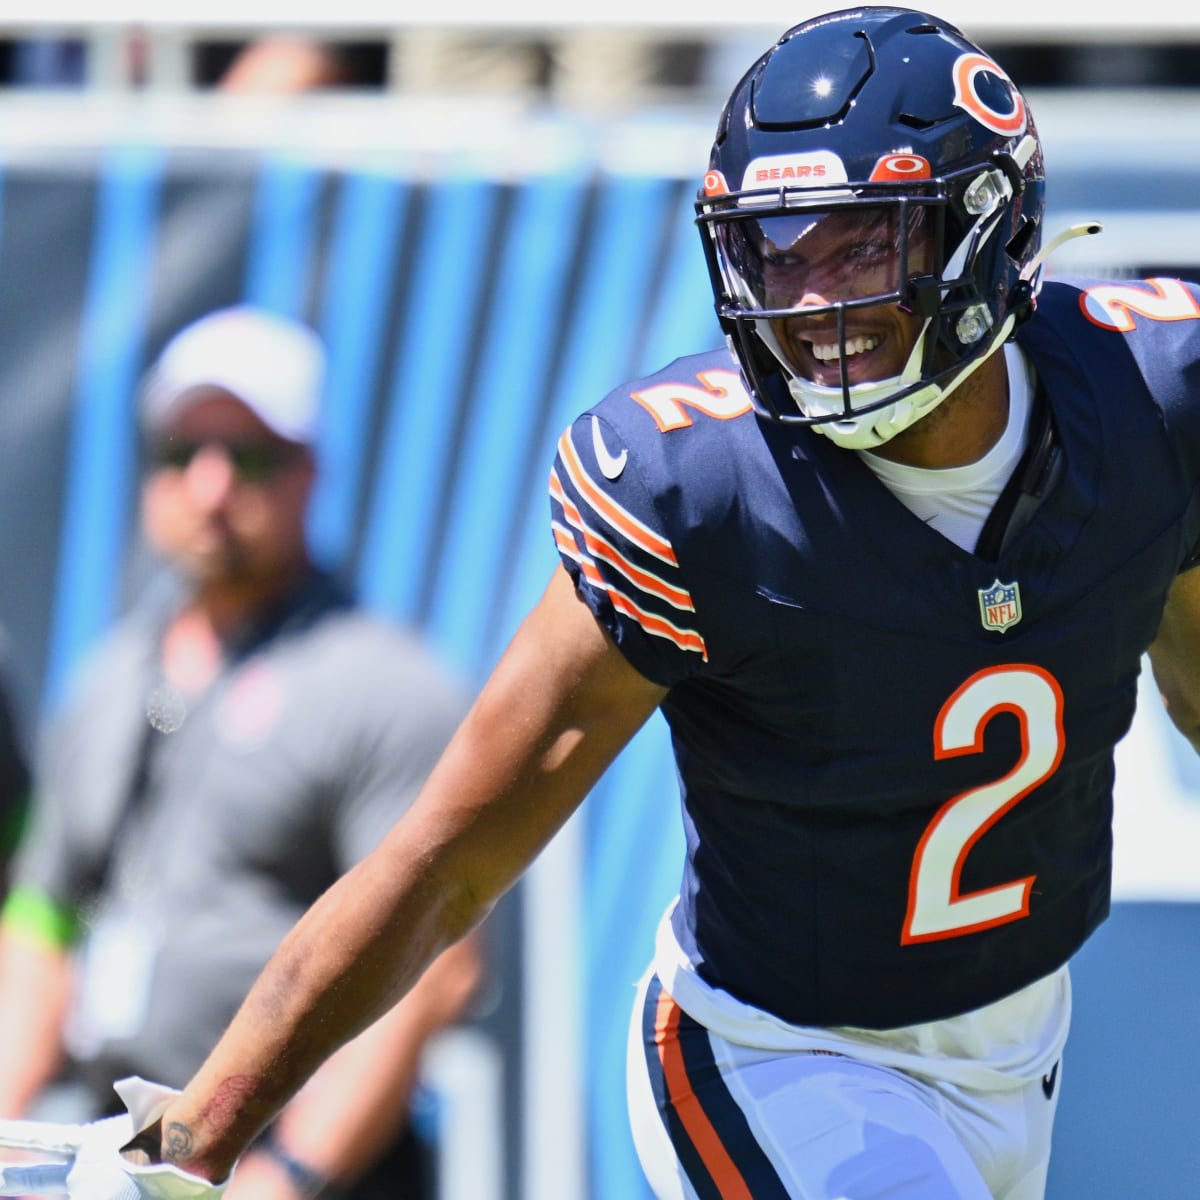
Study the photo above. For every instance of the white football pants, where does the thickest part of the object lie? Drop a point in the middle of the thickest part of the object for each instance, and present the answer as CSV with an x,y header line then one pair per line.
x,y
713,1120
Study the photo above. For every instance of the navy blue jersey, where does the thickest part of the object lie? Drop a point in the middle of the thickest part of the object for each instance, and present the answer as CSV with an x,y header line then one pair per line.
x,y
895,756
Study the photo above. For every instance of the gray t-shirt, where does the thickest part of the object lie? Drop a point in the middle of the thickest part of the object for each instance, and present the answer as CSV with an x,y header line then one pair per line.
x,y
225,819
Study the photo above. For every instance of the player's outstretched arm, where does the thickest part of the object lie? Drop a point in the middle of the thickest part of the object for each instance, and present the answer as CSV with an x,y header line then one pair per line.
x,y
560,705
352,1109
1175,655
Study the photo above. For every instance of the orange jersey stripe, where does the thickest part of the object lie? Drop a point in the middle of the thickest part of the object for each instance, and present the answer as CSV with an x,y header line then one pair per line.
x,y
640,534
685,639
566,543
676,597
729,1180
602,548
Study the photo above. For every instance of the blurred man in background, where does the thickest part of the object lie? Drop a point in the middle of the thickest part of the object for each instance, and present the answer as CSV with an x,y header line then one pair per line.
x,y
241,739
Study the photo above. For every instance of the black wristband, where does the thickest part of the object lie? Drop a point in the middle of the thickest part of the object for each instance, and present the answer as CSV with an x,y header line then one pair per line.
x,y
308,1182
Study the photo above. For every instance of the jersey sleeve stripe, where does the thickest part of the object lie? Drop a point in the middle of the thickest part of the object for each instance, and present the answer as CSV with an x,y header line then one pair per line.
x,y
685,639
608,510
566,543
601,548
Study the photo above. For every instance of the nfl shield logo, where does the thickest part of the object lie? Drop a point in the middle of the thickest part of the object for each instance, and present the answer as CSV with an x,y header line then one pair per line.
x,y
1000,605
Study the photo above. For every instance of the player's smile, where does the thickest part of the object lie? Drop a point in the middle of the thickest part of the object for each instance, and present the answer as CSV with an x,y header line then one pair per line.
x,y
821,359
858,345
877,345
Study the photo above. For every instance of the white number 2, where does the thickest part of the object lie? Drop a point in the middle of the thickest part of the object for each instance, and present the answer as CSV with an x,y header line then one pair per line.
x,y
937,907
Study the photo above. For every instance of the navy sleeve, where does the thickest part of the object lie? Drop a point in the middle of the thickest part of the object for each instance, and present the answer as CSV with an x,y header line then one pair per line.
x,y
611,540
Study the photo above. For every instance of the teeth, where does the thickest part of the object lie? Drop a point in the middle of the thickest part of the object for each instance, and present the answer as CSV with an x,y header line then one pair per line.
x,y
856,345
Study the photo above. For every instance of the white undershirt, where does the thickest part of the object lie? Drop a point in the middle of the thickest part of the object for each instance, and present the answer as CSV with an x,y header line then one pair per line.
x,y
957,500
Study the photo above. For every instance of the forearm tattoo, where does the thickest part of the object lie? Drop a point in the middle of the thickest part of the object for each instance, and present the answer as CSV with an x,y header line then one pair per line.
x,y
176,1142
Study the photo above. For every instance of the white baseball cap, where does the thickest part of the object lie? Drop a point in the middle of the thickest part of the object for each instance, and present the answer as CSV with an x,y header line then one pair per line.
x,y
273,365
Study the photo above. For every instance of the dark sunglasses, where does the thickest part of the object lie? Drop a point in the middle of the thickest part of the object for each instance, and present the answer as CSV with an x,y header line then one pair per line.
x,y
252,461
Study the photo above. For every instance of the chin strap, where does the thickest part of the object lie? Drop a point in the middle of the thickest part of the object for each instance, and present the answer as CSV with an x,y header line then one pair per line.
x,y
875,428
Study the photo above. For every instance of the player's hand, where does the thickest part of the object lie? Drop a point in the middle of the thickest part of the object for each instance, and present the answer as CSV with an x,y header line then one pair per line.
x,y
85,1162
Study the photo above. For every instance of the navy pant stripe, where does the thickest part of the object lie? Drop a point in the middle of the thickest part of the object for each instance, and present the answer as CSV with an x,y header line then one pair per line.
x,y
714,1141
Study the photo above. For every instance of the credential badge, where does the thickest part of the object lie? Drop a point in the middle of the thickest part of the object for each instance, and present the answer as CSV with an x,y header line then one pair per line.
x,y
1000,605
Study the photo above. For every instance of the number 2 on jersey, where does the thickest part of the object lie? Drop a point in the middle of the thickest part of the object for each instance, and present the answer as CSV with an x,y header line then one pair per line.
x,y
937,907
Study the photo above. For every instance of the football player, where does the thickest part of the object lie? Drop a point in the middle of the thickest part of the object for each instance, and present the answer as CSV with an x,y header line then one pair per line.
x,y
888,563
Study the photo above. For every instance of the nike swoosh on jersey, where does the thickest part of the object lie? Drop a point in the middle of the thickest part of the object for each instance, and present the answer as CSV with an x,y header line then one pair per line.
x,y
611,465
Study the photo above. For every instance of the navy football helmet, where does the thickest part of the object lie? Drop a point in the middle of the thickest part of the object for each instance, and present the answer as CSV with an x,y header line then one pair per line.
x,y
873,156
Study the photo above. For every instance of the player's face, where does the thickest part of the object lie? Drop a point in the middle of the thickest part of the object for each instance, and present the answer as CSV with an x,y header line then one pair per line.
x,y
225,498
813,261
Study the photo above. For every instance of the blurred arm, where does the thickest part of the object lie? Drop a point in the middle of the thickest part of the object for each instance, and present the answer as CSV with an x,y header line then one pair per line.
x,y
1175,656
35,986
560,705
346,1116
